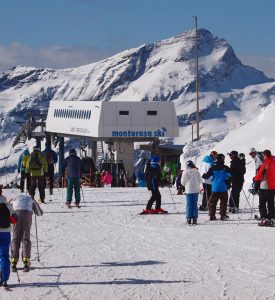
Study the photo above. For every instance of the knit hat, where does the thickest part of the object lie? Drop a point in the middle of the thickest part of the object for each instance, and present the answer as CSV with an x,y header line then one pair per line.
x,y
220,157
190,164
252,150
72,152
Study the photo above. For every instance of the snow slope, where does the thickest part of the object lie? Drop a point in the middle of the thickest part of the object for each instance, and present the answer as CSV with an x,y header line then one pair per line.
x,y
105,250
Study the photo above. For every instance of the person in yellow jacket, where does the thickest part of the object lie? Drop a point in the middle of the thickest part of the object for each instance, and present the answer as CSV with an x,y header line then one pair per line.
x,y
37,167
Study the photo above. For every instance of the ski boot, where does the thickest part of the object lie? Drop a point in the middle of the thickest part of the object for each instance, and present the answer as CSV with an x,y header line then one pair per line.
x,y
68,204
160,211
263,222
27,264
194,221
77,204
188,221
13,268
148,211
212,218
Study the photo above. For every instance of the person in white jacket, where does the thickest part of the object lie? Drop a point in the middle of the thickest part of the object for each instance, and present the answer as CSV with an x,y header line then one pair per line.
x,y
23,205
191,180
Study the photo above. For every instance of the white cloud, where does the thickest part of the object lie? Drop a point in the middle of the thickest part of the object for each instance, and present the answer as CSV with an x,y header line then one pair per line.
x,y
260,62
51,57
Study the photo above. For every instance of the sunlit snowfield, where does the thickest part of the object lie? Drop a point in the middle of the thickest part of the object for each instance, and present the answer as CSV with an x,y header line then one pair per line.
x,y
105,250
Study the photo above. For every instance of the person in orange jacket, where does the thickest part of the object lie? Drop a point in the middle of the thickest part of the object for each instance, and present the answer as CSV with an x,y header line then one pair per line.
x,y
266,177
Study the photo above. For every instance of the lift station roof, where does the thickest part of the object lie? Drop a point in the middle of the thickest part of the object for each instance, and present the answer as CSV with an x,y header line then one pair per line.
x,y
112,119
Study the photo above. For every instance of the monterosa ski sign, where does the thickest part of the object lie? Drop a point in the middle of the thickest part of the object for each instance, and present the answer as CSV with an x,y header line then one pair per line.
x,y
132,133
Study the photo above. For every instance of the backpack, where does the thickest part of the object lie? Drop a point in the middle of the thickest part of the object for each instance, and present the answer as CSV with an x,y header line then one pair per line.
x,y
24,160
4,216
48,157
35,163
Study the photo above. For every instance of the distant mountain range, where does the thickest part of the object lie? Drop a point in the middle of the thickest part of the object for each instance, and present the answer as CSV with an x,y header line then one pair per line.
x,y
159,71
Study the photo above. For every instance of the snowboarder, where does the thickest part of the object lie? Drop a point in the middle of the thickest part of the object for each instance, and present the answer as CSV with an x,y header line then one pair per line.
x,y
191,180
37,167
207,162
23,205
21,166
7,217
220,177
237,170
154,179
51,159
73,166
266,177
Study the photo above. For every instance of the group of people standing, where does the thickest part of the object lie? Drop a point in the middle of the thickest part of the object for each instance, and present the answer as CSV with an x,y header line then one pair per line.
x,y
217,179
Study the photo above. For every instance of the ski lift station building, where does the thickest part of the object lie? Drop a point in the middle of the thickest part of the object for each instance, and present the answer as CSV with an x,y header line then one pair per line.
x,y
118,123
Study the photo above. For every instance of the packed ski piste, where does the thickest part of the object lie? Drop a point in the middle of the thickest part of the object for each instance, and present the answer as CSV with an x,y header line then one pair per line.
x,y
195,230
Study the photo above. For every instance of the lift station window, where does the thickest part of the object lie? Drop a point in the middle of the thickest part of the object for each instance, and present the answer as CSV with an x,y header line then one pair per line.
x,y
124,112
72,113
152,113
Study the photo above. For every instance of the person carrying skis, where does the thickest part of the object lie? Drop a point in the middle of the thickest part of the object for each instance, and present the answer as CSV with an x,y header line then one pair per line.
x,y
24,206
73,165
220,178
237,170
7,216
154,180
21,168
191,180
207,162
51,159
266,177
37,167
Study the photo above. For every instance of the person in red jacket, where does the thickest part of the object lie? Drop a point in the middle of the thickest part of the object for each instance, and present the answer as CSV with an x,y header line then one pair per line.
x,y
266,177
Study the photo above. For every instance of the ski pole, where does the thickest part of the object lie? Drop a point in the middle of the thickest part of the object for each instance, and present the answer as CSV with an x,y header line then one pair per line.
x,y
172,198
18,278
62,184
38,258
82,194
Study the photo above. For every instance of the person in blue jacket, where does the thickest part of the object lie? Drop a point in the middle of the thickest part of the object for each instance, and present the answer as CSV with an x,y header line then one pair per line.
x,y
220,180
73,165
153,178
21,166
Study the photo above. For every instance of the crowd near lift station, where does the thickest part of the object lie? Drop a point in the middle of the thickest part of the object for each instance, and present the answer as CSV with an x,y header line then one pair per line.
x,y
119,124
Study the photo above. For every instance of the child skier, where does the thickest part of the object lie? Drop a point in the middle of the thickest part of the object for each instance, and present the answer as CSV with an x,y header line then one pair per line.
x,y
191,180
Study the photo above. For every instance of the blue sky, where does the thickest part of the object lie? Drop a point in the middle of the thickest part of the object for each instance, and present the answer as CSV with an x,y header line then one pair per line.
x,y
64,33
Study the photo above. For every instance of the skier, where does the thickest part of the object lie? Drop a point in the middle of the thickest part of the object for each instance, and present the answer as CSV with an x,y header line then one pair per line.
x,y
220,177
73,166
207,162
154,179
237,170
266,177
21,166
258,159
7,216
191,180
51,159
23,205
37,167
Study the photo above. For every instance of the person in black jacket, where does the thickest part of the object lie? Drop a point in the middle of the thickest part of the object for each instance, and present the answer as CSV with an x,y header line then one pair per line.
x,y
154,179
237,169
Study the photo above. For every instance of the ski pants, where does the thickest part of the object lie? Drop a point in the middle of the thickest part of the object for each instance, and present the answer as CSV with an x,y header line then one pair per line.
x,y
266,200
50,176
21,233
156,196
206,194
73,184
5,240
214,198
38,180
234,199
192,205
24,177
